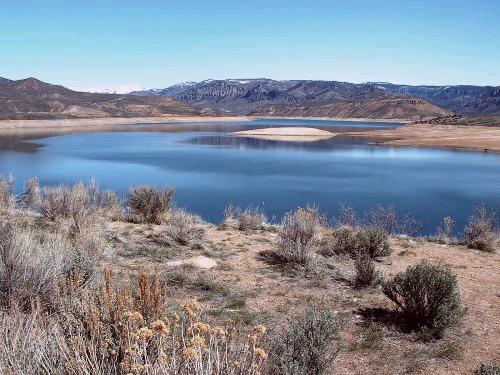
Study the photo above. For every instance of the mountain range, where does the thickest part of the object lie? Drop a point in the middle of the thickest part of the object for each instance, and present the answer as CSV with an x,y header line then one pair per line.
x,y
333,99
33,99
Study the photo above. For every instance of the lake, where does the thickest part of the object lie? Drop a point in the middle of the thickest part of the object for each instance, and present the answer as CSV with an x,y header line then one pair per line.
x,y
210,168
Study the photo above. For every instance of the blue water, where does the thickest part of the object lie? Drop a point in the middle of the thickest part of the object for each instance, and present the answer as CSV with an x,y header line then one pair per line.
x,y
210,168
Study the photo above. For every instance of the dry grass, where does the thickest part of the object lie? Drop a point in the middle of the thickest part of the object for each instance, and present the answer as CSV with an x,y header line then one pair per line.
x,y
6,192
122,329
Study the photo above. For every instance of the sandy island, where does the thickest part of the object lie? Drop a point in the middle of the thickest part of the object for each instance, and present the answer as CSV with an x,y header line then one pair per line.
x,y
292,133
474,138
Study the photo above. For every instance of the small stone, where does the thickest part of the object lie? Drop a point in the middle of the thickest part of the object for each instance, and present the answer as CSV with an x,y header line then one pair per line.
x,y
196,262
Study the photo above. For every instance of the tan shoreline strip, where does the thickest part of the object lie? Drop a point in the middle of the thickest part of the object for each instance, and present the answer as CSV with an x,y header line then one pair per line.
x,y
473,138
105,121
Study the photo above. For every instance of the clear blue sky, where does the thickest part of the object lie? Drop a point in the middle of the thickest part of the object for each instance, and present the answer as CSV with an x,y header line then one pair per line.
x,y
84,44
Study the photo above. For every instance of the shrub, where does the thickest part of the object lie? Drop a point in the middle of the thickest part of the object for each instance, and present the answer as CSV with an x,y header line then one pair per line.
x,y
306,345
382,218
6,192
444,231
410,226
248,219
251,219
488,369
344,240
481,231
181,225
347,216
30,198
298,229
373,242
366,275
353,242
59,202
147,204
427,297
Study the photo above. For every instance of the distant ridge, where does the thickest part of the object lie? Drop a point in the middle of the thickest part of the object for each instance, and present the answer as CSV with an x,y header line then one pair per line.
x,y
31,98
462,99
267,97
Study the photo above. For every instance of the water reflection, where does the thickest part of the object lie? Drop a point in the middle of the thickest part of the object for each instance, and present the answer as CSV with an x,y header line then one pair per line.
x,y
339,141
21,140
210,168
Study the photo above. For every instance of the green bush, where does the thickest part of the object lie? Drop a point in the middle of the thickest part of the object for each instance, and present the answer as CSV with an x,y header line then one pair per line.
x,y
366,275
344,240
306,346
374,242
427,297
369,241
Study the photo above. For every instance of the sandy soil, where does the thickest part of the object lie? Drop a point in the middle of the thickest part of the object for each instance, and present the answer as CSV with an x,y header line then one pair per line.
x,y
272,294
29,124
477,138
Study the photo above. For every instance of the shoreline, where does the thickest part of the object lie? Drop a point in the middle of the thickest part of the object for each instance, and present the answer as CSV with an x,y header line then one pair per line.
x,y
350,119
459,137
106,121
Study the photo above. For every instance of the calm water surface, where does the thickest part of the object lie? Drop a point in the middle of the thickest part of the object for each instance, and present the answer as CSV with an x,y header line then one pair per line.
x,y
211,168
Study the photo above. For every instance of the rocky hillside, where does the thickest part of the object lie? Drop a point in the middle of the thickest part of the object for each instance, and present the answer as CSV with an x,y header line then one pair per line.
x,y
393,108
267,97
34,99
471,100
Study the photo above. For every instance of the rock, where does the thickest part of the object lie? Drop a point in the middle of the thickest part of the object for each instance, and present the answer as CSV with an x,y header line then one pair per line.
x,y
196,262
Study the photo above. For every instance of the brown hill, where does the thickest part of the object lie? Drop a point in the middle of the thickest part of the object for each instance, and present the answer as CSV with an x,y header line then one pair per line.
x,y
386,108
33,99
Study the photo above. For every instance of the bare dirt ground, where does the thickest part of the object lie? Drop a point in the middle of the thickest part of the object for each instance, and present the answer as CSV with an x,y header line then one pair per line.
x,y
246,288
477,138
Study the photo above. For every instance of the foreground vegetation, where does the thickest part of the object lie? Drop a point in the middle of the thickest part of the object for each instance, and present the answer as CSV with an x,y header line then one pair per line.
x,y
87,286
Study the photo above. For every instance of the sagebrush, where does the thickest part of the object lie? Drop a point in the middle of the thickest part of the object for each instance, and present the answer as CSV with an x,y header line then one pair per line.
x,y
427,297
